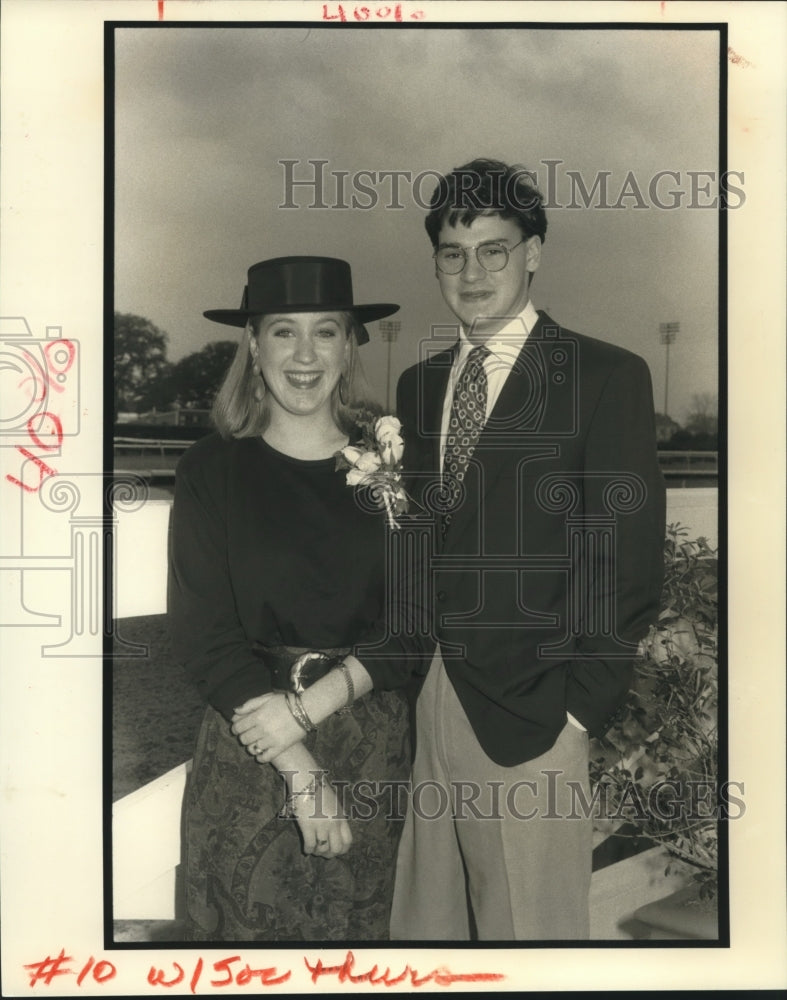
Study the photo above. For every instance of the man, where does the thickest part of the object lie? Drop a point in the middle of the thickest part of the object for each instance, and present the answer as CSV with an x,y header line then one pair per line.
x,y
547,571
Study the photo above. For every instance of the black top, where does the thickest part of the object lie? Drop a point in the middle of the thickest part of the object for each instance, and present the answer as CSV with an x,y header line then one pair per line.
x,y
271,549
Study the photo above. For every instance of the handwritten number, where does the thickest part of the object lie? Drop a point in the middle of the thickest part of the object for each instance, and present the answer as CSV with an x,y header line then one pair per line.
x,y
58,431
197,974
87,967
46,970
103,971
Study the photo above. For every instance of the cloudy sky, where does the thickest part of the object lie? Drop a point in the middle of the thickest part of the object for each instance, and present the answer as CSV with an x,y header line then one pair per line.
x,y
205,115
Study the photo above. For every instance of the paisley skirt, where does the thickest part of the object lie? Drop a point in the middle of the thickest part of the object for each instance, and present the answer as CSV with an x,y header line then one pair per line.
x,y
246,876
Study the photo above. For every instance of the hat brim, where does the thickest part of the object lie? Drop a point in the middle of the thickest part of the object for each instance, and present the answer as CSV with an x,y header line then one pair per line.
x,y
364,314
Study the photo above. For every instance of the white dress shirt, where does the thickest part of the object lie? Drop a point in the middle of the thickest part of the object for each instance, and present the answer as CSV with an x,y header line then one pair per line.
x,y
504,347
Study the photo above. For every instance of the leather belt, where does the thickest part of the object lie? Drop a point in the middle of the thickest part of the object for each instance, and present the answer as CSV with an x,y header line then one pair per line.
x,y
294,668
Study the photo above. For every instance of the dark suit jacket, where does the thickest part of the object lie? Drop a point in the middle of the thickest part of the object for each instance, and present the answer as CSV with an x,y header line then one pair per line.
x,y
551,567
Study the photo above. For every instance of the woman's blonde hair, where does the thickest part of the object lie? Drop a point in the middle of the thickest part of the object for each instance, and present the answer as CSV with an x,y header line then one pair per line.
x,y
238,413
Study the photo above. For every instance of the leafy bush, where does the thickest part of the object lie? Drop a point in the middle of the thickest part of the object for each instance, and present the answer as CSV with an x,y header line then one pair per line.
x,y
657,765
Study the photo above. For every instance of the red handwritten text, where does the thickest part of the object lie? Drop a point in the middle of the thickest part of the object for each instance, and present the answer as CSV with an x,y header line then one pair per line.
x,y
237,977
44,470
338,12
737,60
46,970
59,356
229,972
440,976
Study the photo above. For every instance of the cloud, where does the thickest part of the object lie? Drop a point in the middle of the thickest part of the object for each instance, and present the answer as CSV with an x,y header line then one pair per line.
x,y
205,115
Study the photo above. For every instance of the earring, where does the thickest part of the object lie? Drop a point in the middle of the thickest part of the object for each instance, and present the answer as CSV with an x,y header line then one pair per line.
x,y
344,390
259,388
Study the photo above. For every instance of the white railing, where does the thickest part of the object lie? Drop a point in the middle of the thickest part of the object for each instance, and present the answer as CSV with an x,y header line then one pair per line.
x,y
687,465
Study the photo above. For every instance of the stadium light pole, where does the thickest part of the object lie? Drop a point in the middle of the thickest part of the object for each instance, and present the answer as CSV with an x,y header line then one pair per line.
x,y
389,329
669,332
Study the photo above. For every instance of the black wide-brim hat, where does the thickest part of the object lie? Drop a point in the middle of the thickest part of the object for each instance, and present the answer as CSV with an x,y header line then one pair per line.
x,y
301,284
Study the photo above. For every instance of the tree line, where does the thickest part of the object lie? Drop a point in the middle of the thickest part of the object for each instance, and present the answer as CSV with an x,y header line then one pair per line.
x,y
700,431
145,380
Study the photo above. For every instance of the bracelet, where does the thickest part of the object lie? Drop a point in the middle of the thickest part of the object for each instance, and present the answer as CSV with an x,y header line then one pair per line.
x,y
293,713
295,705
345,670
310,726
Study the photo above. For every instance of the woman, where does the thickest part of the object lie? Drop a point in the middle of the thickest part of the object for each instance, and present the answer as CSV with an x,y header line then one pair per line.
x,y
276,573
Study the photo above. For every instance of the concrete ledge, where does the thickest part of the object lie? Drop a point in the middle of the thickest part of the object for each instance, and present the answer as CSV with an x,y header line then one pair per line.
x,y
140,585
146,848
619,890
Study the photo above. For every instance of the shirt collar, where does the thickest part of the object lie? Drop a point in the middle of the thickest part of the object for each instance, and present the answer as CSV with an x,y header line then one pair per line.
x,y
509,340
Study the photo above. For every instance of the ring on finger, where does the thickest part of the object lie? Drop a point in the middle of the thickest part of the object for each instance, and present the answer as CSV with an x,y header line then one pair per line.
x,y
257,748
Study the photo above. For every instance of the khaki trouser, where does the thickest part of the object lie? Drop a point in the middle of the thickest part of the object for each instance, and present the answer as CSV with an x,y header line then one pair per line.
x,y
502,836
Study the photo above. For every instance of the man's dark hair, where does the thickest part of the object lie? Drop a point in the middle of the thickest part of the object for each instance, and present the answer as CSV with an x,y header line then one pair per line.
x,y
487,187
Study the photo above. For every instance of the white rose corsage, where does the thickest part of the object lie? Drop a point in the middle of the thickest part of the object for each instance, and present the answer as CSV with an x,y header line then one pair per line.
x,y
376,463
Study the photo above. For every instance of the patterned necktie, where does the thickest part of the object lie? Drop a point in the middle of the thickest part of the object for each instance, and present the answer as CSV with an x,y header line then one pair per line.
x,y
468,415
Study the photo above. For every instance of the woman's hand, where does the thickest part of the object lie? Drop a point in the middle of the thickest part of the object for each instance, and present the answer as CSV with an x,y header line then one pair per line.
x,y
266,723
266,726
325,831
314,803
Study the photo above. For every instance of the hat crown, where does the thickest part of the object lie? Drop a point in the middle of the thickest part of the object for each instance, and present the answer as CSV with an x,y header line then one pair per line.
x,y
299,283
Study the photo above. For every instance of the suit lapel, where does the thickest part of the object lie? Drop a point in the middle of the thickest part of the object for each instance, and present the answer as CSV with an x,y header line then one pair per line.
x,y
432,390
521,405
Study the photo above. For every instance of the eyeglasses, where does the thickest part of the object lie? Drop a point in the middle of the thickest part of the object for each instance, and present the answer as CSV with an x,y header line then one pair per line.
x,y
491,256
